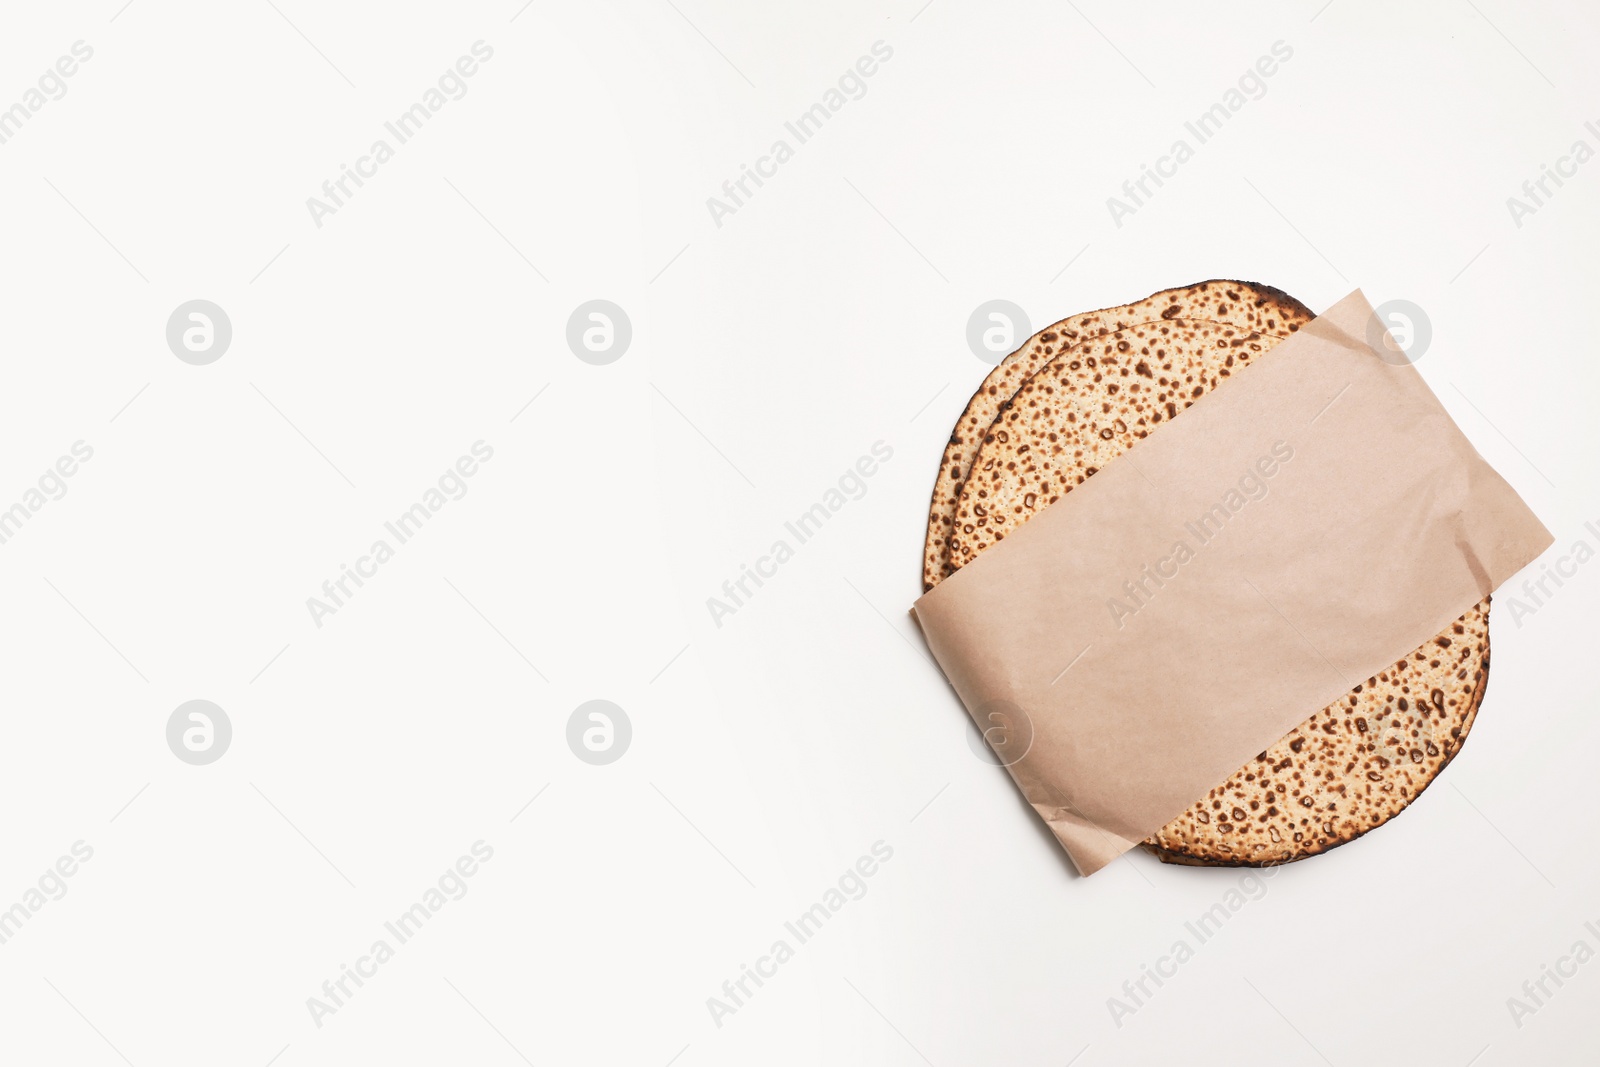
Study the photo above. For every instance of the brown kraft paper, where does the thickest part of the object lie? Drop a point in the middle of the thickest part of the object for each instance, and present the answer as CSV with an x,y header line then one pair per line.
x,y
1297,530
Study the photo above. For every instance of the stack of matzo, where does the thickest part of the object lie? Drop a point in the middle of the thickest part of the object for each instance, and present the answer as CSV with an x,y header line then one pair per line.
x,y
1090,387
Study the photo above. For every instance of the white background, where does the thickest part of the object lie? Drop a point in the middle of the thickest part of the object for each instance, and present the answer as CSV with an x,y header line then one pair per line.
x,y
768,754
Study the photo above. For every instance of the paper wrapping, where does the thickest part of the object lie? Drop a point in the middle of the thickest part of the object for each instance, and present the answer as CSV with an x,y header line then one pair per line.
x,y
1298,529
